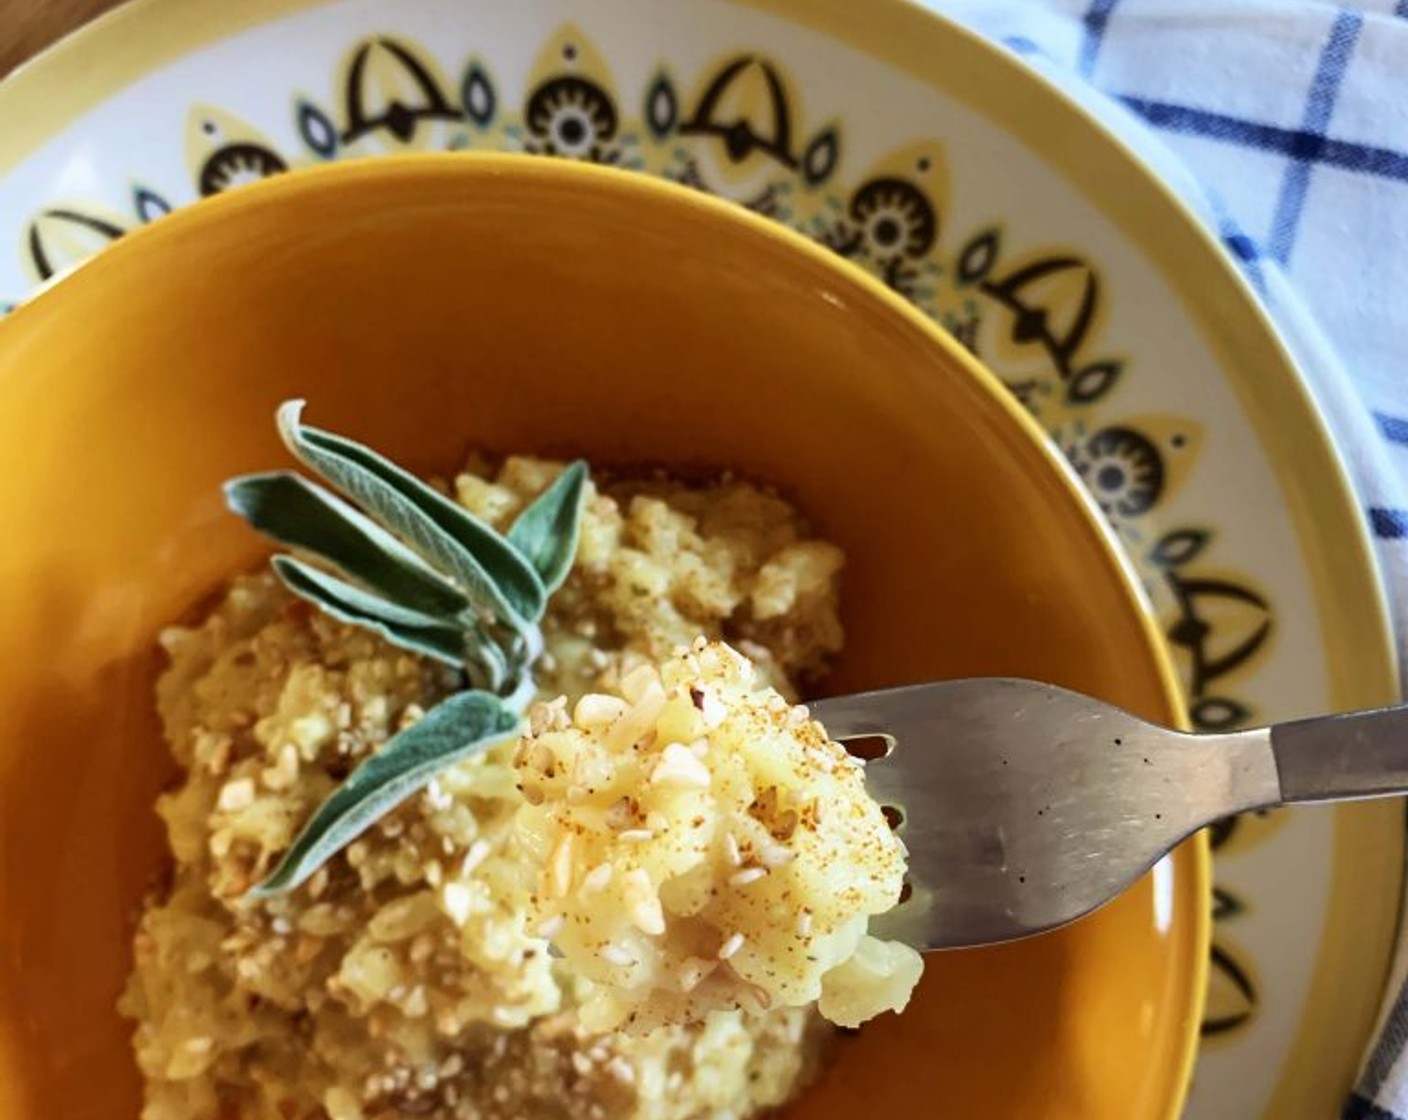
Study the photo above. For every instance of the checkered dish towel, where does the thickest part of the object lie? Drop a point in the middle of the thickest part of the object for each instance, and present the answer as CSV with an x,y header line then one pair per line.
x,y
1284,123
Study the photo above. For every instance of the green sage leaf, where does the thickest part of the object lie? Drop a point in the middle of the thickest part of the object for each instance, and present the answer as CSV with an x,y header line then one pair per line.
x,y
466,724
452,540
546,533
306,516
409,629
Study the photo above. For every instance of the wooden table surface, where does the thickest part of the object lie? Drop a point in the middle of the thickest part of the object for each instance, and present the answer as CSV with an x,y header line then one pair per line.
x,y
28,26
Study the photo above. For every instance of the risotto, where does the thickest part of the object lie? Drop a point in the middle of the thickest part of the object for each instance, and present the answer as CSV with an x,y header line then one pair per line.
x,y
410,975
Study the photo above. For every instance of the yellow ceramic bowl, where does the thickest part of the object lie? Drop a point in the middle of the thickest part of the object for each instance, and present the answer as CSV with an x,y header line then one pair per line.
x,y
432,304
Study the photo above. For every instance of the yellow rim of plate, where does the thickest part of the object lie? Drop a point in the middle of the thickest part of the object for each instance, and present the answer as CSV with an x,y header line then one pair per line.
x,y
1361,661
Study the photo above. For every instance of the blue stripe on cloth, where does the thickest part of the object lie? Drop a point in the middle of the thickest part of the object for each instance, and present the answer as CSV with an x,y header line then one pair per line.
x,y
1392,428
1358,1107
1401,9
1363,158
1096,19
1319,107
1389,524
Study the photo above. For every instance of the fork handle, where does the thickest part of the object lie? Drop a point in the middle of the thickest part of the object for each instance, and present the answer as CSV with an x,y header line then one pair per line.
x,y
1342,757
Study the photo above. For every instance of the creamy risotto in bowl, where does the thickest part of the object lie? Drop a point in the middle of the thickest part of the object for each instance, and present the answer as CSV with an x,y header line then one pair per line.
x,y
636,325
646,905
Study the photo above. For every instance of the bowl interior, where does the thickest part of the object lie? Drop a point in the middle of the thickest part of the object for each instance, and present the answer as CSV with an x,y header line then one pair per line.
x,y
434,304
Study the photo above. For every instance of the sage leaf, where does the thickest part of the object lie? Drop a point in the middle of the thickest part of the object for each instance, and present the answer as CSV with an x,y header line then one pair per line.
x,y
451,539
304,515
345,601
465,724
546,533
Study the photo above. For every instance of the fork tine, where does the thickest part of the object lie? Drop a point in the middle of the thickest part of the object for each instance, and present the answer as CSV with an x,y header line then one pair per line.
x,y
864,713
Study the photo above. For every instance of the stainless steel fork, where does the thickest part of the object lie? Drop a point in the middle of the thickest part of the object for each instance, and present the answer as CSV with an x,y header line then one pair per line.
x,y
1025,806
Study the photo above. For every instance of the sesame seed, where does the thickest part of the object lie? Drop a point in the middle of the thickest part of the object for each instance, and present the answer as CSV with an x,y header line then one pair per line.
x,y
615,954
635,835
597,878
648,917
735,856
746,876
558,709
236,795
435,794
422,948
693,972
760,997
458,902
621,1070
595,710
561,866
777,857
551,926
804,923
731,945
638,682
619,815
680,768
476,855
646,912
711,709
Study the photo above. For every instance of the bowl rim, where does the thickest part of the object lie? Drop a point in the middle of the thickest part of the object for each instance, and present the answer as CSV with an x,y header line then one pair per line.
x,y
384,170
588,176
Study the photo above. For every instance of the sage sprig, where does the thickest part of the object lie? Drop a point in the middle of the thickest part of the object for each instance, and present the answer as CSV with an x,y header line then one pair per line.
x,y
415,567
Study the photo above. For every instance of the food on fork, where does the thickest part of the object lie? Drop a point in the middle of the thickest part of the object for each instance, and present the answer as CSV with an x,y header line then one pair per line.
x,y
705,846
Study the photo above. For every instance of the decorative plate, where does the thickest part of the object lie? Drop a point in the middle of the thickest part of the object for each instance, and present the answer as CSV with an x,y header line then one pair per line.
x,y
966,183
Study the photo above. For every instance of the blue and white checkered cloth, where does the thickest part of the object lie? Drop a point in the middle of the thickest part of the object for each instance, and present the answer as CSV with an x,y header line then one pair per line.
x,y
1285,124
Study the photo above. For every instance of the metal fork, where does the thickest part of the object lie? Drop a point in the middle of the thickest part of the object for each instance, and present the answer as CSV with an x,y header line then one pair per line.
x,y
1025,806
